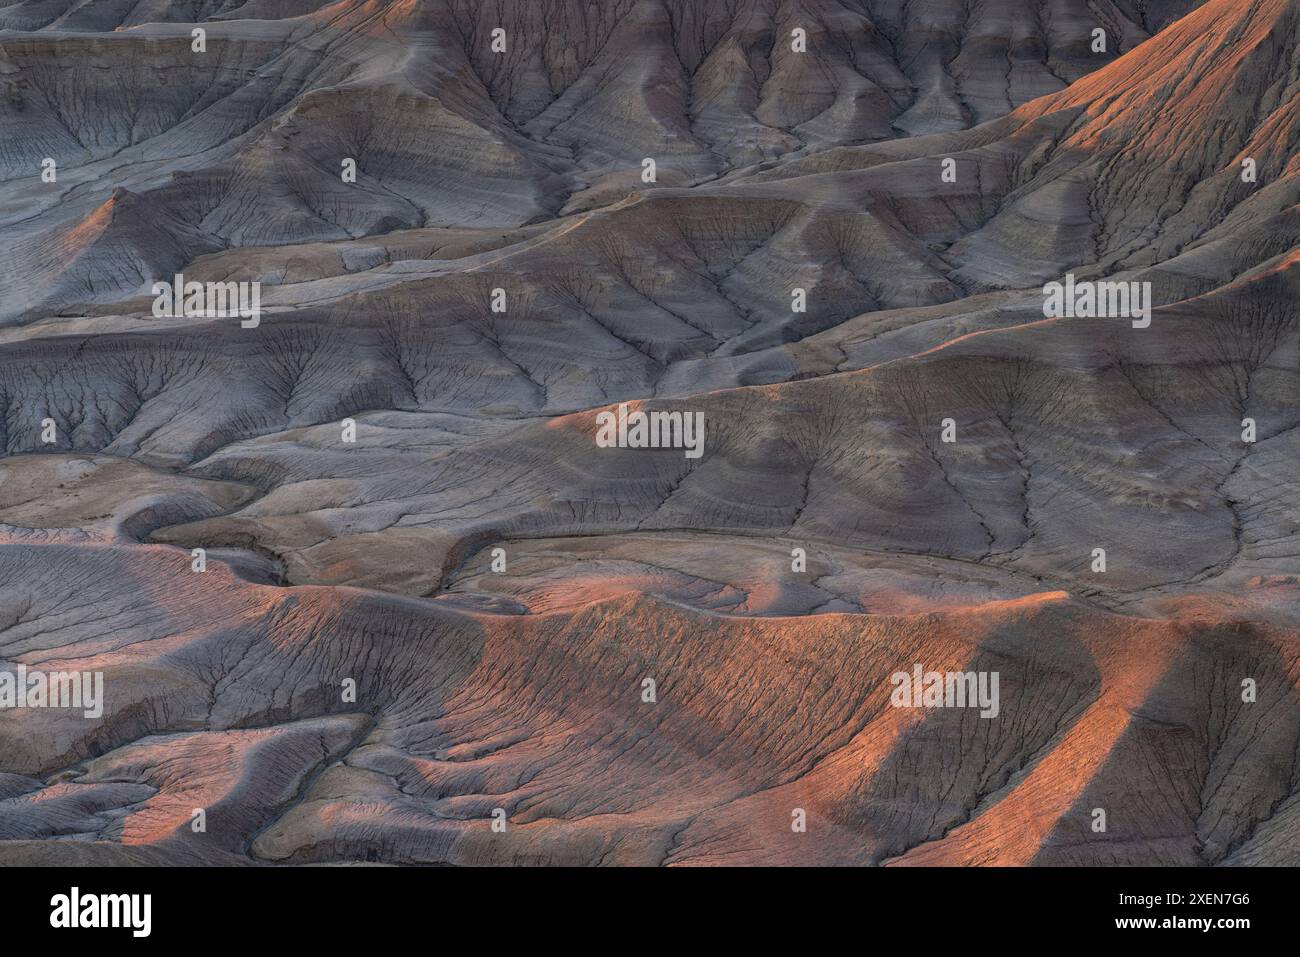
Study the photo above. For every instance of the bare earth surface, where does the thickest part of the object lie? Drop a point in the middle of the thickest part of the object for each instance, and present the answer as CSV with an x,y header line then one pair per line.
x,y
372,562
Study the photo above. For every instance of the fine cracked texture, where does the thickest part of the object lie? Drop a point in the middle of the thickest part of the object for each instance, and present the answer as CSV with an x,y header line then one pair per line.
x,y
448,623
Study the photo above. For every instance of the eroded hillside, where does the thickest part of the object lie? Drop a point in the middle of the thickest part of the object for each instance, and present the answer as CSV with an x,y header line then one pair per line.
x,y
364,579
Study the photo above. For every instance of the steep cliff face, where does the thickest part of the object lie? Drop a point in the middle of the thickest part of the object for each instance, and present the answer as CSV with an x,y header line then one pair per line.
x,y
374,577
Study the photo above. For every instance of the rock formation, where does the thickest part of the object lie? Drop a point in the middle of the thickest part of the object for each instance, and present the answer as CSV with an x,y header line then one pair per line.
x,y
367,578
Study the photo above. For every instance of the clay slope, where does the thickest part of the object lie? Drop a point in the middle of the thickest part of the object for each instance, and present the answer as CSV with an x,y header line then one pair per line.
x,y
243,143
450,621
458,713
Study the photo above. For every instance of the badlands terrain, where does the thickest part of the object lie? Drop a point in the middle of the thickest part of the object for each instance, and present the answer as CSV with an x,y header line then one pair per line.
x,y
366,583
